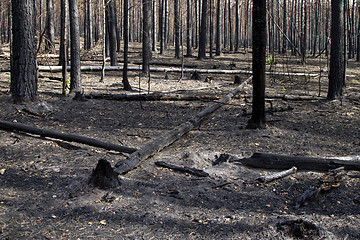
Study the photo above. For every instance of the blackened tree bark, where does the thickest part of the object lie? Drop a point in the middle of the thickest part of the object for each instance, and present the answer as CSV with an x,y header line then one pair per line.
x,y
177,28
64,14
9,23
189,29
50,26
126,45
111,27
88,26
1,25
237,26
161,25
154,26
211,28
246,39
304,32
146,50
231,47
284,42
337,69
117,29
218,28
75,75
97,19
203,31
225,24
358,38
63,46
258,119
23,65
166,23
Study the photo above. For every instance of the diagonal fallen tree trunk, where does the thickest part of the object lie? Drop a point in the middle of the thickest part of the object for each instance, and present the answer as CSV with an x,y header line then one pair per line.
x,y
66,137
170,137
274,161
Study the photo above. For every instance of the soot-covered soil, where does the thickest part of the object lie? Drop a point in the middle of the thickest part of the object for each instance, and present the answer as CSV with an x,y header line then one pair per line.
x,y
43,182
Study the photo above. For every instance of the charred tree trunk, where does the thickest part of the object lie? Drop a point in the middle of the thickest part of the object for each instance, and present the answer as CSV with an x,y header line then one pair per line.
x,y
23,64
154,26
203,31
126,45
50,26
337,71
258,119
218,28
211,29
237,26
75,82
231,47
88,22
177,28
63,45
146,37
97,19
111,27
358,38
189,29
284,42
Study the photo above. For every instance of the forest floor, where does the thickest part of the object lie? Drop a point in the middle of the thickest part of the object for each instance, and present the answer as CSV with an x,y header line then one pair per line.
x,y
43,181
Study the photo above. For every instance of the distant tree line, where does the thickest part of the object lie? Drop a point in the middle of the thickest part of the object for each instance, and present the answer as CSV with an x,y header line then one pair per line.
x,y
299,27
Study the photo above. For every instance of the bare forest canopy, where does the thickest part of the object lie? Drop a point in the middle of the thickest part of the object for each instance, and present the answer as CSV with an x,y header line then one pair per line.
x,y
301,27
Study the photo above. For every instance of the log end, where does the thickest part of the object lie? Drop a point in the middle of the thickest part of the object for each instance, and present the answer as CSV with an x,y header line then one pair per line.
x,y
104,176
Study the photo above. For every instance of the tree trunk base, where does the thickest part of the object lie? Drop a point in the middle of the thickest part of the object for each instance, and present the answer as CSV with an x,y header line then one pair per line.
x,y
104,176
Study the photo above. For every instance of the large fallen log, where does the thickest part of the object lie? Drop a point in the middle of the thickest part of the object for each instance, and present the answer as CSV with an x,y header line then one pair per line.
x,y
168,138
274,161
66,137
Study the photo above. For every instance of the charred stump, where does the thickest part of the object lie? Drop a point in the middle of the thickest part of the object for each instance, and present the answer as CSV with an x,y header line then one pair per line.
x,y
104,176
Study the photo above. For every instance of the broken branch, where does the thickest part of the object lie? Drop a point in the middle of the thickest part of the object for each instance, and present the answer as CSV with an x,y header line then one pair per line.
x,y
278,175
192,171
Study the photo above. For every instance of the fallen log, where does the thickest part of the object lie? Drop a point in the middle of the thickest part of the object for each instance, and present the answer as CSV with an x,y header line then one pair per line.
x,y
66,137
152,97
274,161
192,171
168,138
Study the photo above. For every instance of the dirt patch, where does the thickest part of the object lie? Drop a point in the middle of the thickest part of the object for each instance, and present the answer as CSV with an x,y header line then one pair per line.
x,y
44,191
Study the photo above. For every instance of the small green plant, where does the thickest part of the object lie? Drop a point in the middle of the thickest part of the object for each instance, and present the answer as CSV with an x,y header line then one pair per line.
x,y
68,80
271,60
283,90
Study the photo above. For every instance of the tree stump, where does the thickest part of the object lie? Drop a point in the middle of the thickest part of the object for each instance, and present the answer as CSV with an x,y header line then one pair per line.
x,y
104,176
196,76
237,80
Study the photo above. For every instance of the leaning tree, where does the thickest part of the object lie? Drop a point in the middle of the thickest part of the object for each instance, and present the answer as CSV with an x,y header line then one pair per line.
x,y
23,60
